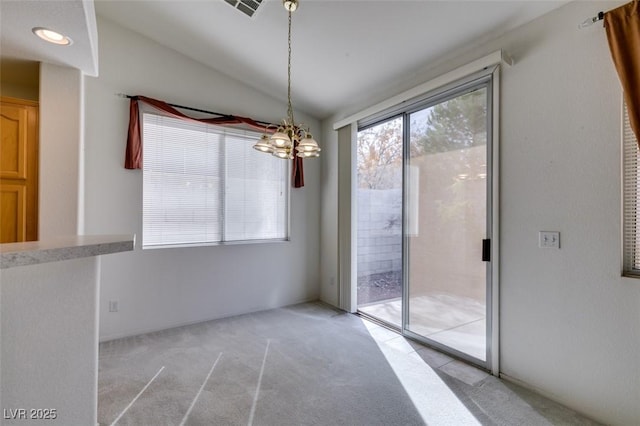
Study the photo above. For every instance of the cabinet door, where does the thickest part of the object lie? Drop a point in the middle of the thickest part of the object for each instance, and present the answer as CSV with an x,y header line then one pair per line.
x,y
18,170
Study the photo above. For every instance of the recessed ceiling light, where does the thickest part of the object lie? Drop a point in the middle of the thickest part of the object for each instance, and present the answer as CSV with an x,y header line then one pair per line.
x,y
52,36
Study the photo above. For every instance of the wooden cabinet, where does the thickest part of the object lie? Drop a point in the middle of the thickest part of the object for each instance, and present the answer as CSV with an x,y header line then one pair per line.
x,y
18,170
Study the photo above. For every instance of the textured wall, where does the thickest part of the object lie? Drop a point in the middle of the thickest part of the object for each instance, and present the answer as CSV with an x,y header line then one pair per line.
x,y
49,341
379,231
167,287
60,144
568,320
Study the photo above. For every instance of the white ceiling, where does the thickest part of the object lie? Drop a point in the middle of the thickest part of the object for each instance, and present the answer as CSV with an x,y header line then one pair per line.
x,y
343,50
73,18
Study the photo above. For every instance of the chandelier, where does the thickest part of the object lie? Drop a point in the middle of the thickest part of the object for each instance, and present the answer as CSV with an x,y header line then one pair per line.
x,y
289,140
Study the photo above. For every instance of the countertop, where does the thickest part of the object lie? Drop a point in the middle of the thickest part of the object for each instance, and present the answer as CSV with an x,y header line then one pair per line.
x,y
62,248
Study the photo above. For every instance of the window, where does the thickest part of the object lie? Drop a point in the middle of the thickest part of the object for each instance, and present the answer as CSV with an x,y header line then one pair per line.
x,y
631,200
205,184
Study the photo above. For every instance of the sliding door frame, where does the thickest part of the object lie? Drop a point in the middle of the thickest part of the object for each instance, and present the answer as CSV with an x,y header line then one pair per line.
x,y
346,128
488,77
479,80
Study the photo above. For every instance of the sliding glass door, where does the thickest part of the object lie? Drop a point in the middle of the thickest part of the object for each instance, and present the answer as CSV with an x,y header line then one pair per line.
x,y
424,219
447,217
379,226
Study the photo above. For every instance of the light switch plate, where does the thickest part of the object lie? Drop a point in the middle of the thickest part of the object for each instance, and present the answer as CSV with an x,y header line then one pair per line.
x,y
549,239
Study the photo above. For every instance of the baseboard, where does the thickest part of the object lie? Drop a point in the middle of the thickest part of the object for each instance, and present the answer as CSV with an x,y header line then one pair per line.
x,y
328,305
528,386
138,332
555,398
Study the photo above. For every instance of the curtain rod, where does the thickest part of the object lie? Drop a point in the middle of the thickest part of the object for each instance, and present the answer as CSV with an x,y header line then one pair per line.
x,y
123,95
599,17
590,21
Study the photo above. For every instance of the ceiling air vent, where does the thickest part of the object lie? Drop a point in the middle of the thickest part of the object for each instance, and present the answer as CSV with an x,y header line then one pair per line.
x,y
248,7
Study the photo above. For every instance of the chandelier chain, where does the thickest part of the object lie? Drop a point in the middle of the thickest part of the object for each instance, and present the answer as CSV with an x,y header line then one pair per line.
x,y
289,141
289,107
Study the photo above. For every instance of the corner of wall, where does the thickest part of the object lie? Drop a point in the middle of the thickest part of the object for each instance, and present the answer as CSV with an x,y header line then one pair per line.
x,y
329,292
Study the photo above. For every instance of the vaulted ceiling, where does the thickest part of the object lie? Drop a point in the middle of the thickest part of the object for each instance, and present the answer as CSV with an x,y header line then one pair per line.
x,y
342,50
75,18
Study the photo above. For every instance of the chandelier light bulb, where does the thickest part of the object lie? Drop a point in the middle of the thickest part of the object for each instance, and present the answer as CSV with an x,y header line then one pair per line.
x,y
264,145
280,139
308,144
281,153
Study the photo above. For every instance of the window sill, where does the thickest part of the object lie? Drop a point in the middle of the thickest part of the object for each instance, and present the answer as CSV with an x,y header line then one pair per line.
x,y
214,244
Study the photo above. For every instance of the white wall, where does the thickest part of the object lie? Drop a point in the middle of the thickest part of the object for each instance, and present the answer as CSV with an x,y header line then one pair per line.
x,y
570,324
49,341
60,144
329,289
162,288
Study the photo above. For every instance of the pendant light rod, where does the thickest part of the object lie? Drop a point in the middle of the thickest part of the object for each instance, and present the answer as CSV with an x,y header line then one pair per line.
x,y
289,107
289,140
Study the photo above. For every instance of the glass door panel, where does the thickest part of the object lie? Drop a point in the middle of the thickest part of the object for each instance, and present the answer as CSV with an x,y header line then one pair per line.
x,y
446,221
379,227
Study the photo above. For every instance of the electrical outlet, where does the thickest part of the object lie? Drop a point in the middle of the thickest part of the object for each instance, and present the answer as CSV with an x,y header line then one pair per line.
x,y
113,306
549,239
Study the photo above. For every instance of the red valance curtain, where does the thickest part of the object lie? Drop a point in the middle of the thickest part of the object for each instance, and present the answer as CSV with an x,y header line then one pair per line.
x,y
133,153
623,32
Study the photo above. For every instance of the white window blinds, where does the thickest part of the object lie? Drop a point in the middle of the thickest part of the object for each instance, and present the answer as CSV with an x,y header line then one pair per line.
x,y
631,200
205,184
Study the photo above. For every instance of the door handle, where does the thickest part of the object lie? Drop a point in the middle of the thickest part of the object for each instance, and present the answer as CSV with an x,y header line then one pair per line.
x,y
486,250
